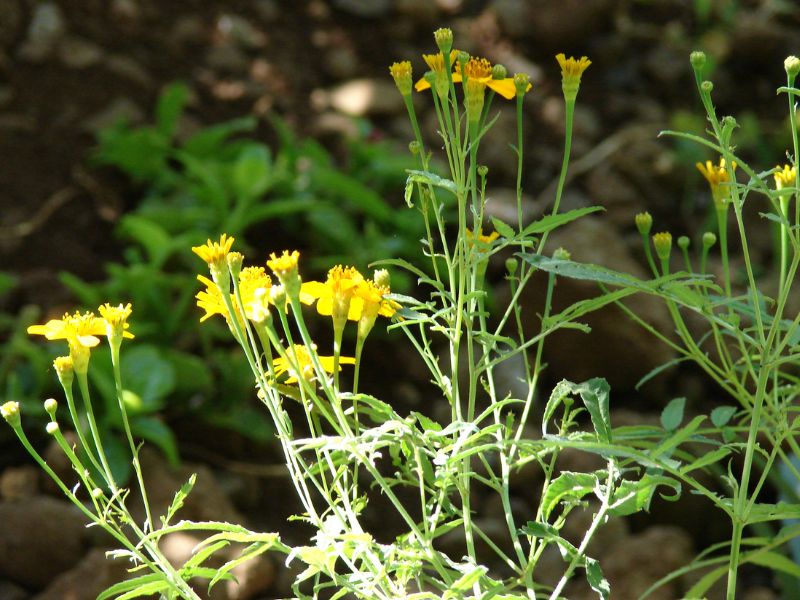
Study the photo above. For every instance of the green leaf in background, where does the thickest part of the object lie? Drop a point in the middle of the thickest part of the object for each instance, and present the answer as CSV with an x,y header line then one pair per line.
x,y
672,415
148,378
154,431
150,235
721,415
170,108
251,172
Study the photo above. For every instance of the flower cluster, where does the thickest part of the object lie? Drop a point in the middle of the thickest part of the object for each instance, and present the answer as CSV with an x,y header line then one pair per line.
x,y
344,295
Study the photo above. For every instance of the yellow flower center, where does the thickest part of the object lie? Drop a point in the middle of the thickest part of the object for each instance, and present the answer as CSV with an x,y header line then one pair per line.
x,y
572,67
285,263
785,177
477,68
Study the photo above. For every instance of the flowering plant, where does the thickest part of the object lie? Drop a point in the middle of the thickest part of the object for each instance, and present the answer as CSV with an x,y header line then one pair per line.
x,y
353,457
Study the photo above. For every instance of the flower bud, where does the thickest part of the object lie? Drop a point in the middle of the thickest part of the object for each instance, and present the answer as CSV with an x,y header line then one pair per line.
x,y
444,39
277,294
51,428
235,260
792,66
663,244
50,406
10,411
709,239
97,493
522,83
707,87
462,57
414,147
499,72
511,265
482,170
697,59
644,222
401,73
561,254
683,242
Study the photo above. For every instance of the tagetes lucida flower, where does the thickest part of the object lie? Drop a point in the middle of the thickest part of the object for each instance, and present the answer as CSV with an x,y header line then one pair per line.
x,y
300,357
116,320
785,176
483,241
214,253
571,71
475,69
401,73
368,303
335,294
720,179
80,330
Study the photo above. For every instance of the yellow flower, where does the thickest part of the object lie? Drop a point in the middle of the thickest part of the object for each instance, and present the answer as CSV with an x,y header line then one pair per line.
x,y
476,69
369,303
435,63
401,73
10,411
214,253
300,356
483,242
335,295
785,176
116,320
572,67
571,71
78,329
285,268
251,281
719,179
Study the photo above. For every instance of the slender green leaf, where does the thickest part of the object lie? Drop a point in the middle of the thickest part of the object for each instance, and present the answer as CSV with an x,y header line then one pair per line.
x,y
550,222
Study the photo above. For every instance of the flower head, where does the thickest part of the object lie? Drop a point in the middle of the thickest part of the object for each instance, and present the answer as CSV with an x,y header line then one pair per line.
x,y
299,364
285,269
10,411
720,179
663,244
254,287
785,176
335,294
369,302
214,253
116,320
571,71
401,73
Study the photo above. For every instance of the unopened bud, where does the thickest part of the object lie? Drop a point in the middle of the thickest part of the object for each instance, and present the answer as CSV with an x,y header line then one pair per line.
x,y
463,58
683,242
792,66
51,428
697,59
707,87
522,83
277,294
561,254
414,147
511,265
482,170
709,239
663,244
644,222
444,39
235,260
499,72
50,406
381,278
97,493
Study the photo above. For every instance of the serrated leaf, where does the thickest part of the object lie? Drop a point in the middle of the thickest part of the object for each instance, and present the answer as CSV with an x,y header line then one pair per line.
x,y
567,486
550,222
502,228
672,415
131,584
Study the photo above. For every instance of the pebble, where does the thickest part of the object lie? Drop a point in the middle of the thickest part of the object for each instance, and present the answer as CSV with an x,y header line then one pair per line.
x,y
119,109
360,97
79,53
364,8
238,30
127,68
45,30
20,482
41,537
87,579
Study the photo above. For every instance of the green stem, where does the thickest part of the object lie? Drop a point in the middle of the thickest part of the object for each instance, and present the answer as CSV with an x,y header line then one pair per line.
x,y
83,385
